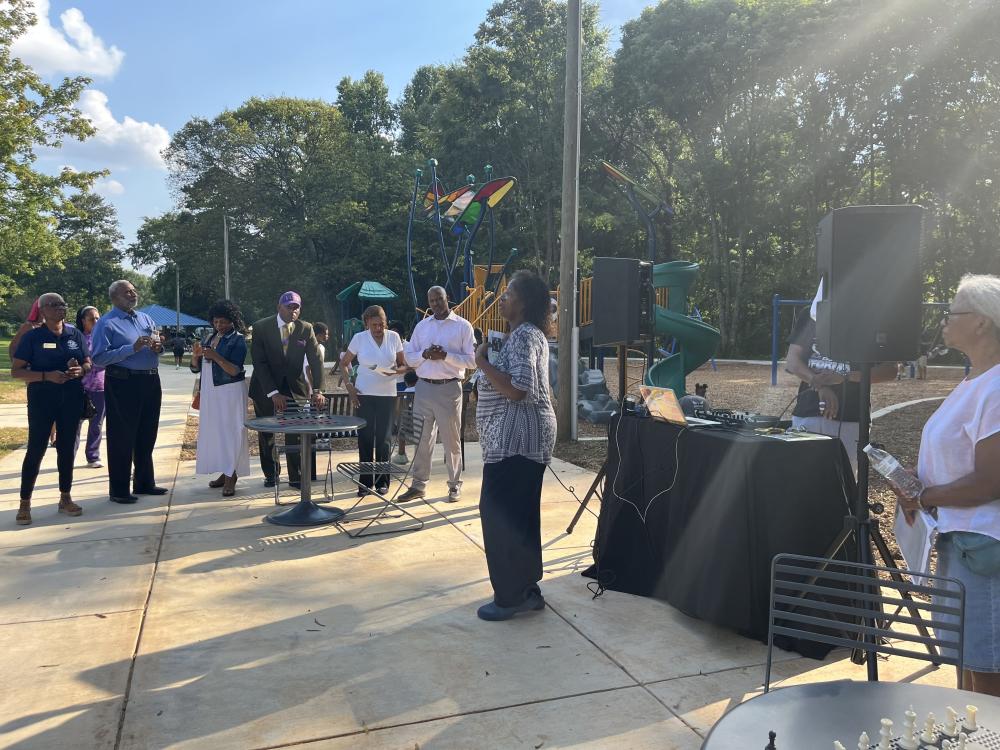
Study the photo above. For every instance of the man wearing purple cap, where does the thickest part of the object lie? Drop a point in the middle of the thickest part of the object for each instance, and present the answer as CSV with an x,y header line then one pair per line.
x,y
281,343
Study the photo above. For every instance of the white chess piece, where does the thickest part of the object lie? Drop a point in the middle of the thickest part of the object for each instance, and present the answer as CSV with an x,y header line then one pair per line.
x,y
950,723
863,742
908,741
929,734
962,739
838,745
885,735
970,717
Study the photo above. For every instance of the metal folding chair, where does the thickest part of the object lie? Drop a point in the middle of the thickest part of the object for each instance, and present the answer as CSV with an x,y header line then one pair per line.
x,y
411,426
842,604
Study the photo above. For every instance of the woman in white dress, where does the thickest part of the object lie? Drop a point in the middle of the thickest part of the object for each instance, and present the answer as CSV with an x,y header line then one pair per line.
x,y
379,352
223,445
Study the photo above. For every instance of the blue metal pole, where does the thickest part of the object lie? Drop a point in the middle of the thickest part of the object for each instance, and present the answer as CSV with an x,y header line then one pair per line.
x,y
775,313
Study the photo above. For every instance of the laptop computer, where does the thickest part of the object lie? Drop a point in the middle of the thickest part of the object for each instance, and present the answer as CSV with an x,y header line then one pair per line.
x,y
662,404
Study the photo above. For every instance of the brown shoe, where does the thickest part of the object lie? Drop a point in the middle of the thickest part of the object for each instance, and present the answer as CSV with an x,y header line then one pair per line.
x,y
23,517
219,482
230,486
67,506
411,494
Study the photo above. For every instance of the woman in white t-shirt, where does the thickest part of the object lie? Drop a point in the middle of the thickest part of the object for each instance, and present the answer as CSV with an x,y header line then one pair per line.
x,y
959,464
378,351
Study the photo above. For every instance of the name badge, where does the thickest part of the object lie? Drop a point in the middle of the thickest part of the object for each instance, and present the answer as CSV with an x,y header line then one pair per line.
x,y
49,345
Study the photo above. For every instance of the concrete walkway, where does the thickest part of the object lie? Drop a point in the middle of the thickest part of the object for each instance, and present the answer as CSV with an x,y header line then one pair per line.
x,y
186,622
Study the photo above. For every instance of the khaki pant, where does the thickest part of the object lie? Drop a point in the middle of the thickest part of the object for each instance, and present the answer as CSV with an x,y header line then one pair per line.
x,y
441,407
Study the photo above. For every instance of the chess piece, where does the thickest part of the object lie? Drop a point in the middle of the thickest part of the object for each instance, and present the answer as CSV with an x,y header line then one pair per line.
x,y
885,735
770,741
970,718
863,742
908,741
962,739
838,745
929,734
951,723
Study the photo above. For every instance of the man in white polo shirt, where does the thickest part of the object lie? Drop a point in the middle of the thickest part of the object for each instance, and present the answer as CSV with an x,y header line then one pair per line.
x,y
441,348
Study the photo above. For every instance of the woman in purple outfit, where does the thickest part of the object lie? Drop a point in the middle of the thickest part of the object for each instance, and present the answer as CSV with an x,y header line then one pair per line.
x,y
93,385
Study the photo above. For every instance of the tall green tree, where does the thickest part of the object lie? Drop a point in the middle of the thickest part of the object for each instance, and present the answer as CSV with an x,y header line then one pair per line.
x,y
33,114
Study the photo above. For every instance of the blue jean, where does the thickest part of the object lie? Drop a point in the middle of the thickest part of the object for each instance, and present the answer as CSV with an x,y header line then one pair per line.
x,y
92,450
982,609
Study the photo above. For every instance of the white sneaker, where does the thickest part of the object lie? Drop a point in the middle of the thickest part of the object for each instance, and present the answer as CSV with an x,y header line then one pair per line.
x,y
94,465
401,459
454,494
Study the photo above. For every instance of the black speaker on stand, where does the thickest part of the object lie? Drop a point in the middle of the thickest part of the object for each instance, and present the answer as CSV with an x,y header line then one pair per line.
x,y
622,304
869,311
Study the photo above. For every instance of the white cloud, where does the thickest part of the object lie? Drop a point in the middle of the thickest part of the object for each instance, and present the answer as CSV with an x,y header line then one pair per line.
x,y
108,187
75,49
126,143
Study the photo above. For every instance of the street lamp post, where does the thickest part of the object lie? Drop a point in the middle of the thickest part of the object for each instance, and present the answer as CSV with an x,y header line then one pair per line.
x,y
177,276
225,250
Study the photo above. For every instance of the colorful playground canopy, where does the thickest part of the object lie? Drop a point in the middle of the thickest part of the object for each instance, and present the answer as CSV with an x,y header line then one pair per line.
x,y
488,196
620,177
368,291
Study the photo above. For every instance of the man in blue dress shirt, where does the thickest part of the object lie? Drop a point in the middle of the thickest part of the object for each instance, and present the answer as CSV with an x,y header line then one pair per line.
x,y
127,345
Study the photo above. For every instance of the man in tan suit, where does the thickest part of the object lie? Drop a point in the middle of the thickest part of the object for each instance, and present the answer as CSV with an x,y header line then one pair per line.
x,y
281,343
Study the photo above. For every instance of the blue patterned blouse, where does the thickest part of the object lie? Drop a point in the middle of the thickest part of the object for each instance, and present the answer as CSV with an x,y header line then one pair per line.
x,y
518,428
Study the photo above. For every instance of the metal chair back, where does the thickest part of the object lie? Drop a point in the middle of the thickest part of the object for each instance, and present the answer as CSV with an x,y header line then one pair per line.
x,y
843,604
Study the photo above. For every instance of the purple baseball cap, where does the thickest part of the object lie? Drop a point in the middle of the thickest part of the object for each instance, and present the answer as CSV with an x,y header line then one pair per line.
x,y
290,298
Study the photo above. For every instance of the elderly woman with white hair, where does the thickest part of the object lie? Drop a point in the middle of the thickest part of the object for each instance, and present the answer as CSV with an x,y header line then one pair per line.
x,y
52,359
959,465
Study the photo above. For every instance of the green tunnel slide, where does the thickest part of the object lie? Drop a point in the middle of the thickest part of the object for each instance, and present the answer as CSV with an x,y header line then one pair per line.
x,y
696,341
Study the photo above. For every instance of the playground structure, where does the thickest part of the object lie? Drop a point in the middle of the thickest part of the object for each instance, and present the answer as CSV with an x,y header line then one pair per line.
x,y
353,301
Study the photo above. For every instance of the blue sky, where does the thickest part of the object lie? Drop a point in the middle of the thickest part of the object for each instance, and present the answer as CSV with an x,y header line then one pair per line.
x,y
155,65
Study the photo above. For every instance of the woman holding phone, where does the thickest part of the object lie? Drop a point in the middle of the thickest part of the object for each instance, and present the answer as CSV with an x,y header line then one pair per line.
x,y
223,446
52,359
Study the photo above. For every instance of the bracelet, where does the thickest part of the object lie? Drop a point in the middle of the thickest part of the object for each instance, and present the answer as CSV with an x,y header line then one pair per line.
x,y
920,499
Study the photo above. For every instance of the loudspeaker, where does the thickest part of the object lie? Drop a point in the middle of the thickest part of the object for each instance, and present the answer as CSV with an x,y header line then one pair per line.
x,y
622,301
869,263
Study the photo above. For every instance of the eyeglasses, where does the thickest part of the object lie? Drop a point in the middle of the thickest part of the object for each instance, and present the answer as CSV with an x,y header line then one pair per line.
x,y
949,314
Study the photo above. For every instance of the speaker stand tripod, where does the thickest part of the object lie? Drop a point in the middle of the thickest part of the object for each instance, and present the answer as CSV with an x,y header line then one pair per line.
x,y
858,525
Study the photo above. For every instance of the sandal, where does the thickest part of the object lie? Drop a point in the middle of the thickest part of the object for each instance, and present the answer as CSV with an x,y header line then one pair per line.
x,y
230,489
23,517
216,483
68,507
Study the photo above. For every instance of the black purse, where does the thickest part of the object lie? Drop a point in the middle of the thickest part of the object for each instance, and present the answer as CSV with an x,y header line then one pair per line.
x,y
89,410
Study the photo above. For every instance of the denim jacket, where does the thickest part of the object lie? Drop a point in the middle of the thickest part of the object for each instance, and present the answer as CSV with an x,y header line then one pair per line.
x,y
233,348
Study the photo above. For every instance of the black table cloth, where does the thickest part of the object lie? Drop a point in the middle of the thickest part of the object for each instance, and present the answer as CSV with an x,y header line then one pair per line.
x,y
736,500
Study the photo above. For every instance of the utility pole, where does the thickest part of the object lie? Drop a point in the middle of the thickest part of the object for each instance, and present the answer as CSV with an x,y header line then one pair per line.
x,y
225,249
177,276
568,360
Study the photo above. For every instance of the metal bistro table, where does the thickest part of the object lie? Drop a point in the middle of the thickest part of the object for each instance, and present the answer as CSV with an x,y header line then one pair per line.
x,y
306,424
814,715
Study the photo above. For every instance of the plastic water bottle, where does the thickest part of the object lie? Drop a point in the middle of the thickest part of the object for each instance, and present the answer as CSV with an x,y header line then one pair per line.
x,y
886,464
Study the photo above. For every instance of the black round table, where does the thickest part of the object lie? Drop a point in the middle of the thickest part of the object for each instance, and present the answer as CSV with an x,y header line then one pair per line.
x,y
814,715
305,424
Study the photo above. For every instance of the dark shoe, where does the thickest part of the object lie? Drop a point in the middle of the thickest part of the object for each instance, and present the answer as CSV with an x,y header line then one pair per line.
x,y
268,482
382,490
127,500
295,485
216,483
152,491
230,486
493,612
363,491
411,494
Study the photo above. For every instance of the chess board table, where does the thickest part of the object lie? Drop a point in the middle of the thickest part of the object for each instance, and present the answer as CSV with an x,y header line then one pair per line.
x,y
814,715
306,424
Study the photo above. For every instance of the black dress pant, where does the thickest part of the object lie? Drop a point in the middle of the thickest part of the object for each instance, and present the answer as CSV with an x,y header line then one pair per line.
x,y
264,407
379,412
510,510
133,418
50,404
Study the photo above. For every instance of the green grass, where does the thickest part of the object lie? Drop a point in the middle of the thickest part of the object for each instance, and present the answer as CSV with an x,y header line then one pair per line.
x,y
12,438
11,391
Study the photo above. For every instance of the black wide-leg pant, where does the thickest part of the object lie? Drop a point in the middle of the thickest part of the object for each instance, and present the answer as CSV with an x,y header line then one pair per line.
x,y
379,413
132,403
50,404
510,510
264,407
